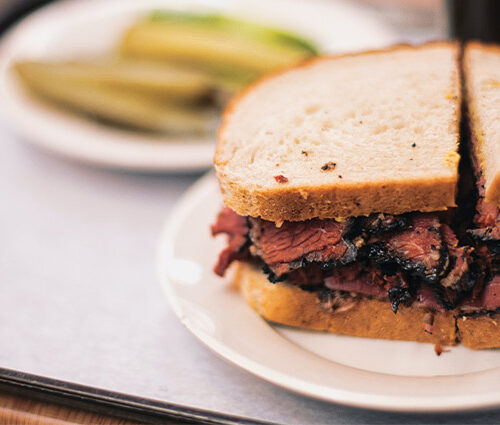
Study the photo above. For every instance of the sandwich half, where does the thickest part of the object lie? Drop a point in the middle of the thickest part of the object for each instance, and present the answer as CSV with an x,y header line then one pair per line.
x,y
479,328
340,179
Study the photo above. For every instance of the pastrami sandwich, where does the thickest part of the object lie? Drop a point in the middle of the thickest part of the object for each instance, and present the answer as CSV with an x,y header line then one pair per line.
x,y
340,184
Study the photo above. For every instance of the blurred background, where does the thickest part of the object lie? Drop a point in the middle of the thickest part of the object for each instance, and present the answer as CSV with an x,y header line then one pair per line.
x,y
124,97
142,85
425,18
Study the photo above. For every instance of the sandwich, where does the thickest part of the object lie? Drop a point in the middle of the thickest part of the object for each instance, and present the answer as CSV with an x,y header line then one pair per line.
x,y
340,180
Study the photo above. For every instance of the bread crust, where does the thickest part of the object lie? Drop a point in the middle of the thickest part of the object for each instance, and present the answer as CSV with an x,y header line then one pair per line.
x,y
489,47
290,305
339,202
297,203
479,332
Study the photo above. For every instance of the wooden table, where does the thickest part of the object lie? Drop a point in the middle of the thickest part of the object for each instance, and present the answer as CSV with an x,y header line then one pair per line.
x,y
22,410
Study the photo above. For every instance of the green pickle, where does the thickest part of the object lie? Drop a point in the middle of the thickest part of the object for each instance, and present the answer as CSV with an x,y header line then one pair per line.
x,y
171,73
231,49
110,103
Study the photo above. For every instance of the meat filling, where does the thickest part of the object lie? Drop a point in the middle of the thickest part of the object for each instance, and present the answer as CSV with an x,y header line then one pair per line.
x,y
381,223
486,235
296,244
235,226
395,258
419,249
458,278
487,300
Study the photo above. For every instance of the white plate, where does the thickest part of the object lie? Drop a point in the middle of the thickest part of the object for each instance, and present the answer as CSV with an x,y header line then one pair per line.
x,y
75,28
389,375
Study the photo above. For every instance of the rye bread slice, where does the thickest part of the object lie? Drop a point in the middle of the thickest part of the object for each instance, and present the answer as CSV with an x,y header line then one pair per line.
x,y
345,136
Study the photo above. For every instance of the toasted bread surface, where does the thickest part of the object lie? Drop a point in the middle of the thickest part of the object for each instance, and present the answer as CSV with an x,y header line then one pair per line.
x,y
345,136
292,306
481,66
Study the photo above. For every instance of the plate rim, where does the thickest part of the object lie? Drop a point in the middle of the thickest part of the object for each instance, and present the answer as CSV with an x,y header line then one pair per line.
x,y
405,404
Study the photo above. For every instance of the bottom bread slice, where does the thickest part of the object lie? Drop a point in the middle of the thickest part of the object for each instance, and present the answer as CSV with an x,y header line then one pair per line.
x,y
479,332
292,306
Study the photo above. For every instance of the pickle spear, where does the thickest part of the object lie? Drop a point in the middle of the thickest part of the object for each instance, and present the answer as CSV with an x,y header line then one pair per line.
x,y
156,79
115,104
243,28
230,48
173,72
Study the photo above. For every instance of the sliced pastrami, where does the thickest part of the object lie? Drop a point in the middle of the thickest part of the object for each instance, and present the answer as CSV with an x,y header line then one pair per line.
x,y
490,297
487,222
485,237
295,244
419,249
376,224
311,275
458,280
236,227
371,282
352,279
487,300
379,256
426,297
488,214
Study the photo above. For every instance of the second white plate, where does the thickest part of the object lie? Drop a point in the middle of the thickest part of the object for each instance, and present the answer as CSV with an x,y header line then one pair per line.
x,y
378,374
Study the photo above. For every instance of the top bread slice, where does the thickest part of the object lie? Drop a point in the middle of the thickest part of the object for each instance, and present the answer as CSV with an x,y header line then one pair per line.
x,y
482,83
345,136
